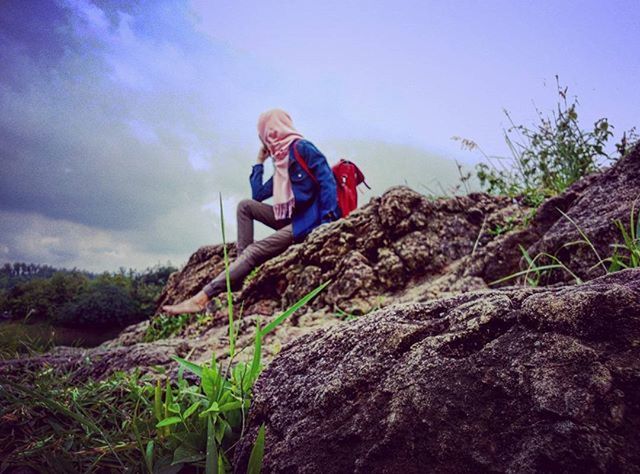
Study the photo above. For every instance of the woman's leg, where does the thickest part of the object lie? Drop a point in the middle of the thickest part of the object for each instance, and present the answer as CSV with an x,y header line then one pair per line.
x,y
249,210
253,255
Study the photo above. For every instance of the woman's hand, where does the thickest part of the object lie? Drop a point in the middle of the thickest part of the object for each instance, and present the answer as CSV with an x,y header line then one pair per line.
x,y
263,154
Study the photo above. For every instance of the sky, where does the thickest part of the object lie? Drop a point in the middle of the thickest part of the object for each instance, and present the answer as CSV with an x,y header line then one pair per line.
x,y
123,122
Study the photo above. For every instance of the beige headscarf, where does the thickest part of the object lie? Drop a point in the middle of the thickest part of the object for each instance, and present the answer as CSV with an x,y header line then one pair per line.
x,y
275,128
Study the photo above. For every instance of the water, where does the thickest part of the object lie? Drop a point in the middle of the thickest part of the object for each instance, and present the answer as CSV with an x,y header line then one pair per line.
x,y
40,336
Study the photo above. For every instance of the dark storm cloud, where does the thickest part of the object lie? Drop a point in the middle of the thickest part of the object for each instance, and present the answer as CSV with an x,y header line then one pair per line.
x,y
37,29
109,133
72,138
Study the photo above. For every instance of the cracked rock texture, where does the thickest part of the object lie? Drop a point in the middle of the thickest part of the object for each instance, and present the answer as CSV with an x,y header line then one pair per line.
x,y
511,380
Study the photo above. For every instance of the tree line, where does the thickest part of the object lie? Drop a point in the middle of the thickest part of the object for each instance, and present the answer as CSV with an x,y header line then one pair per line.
x,y
80,298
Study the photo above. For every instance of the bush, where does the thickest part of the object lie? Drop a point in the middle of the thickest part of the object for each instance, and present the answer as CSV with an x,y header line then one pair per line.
x,y
547,158
42,298
103,304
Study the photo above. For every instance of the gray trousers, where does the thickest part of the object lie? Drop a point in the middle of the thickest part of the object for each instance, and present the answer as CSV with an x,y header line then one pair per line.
x,y
250,253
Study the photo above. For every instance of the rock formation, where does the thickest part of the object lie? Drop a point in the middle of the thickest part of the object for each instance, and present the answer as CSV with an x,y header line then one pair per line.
x,y
511,380
385,246
591,205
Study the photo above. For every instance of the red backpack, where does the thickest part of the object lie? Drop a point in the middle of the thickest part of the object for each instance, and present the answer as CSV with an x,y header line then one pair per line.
x,y
348,176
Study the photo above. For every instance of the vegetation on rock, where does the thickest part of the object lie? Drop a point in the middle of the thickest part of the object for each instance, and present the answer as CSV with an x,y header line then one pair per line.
x,y
549,157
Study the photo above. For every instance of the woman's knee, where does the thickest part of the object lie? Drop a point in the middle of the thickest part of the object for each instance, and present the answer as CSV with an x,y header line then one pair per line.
x,y
244,205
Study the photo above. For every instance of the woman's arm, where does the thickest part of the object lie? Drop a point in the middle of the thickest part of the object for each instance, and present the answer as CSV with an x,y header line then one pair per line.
x,y
320,168
260,191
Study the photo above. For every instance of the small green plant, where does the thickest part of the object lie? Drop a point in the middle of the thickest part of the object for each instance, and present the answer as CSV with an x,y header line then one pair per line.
x,y
546,159
217,405
625,255
251,276
630,139
510,223
202,423
344,316
163,326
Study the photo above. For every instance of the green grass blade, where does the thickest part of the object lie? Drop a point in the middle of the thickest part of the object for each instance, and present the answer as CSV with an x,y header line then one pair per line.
x,y
221,467
210,382
525,272
585,238
229,406
148,456
297,305
634,227
189,411
211,463
531,265
190,366
563,266
628,241
172,420
254,371
232,332
257,453
157,401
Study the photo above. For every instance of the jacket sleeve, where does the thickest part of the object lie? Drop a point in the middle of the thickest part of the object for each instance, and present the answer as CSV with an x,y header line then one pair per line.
x,y
320,168
260,191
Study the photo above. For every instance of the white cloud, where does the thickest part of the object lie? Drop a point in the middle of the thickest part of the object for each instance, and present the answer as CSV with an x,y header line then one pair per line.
x,y
95,21
229,205
198,159
143,131
34,238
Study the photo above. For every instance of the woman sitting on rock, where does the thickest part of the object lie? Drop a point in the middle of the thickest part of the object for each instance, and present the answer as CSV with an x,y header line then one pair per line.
x,y
301,203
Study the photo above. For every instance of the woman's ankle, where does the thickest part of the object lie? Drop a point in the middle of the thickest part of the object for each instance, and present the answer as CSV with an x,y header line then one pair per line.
x,y
201,299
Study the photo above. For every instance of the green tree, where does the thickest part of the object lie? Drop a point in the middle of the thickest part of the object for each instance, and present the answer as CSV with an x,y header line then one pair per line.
x,y
104,303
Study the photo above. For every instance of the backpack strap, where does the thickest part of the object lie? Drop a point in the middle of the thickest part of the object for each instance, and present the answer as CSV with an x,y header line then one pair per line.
x,y
360,176
303,163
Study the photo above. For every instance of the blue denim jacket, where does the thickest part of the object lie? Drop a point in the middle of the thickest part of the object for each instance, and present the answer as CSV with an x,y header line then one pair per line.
x,y
315,204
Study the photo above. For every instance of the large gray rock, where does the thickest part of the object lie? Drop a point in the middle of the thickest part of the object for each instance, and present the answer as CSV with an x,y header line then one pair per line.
x,y
513,380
